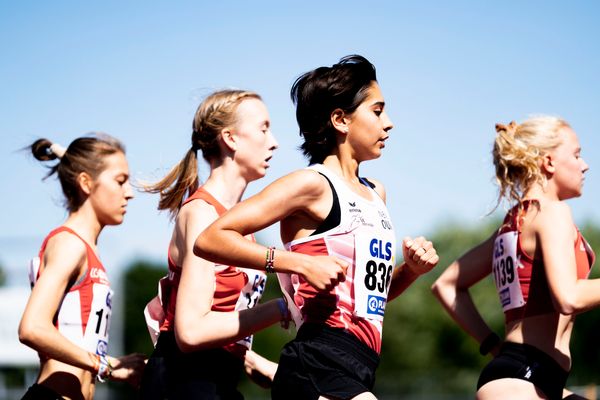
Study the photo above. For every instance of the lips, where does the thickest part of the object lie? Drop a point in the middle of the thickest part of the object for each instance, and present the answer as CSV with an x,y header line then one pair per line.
x,y
267,161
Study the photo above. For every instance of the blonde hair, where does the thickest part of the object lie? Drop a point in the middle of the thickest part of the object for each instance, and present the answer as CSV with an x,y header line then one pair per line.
x,y
518,150
215,113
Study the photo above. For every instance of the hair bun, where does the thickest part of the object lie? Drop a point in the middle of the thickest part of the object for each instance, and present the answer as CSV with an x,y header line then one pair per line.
x,y
510,128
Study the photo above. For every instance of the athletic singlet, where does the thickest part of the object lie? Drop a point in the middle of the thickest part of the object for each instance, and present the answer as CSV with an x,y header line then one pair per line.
x,y
85,311
236,288
520,279
365,239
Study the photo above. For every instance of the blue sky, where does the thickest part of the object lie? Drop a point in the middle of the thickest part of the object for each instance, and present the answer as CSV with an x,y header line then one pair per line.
x,y
137,70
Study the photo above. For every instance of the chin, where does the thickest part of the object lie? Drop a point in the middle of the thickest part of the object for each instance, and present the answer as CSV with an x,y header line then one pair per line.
x,y
257,175
115,220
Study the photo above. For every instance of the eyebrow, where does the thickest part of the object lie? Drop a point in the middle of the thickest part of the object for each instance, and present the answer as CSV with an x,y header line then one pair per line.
x,y
378,103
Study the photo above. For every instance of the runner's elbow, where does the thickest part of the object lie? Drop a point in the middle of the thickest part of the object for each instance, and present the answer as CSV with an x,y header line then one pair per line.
x,y
201,247
567,305
29,334
188,342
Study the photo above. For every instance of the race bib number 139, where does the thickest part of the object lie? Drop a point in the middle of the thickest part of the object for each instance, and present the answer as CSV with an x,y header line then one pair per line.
x,y
506,271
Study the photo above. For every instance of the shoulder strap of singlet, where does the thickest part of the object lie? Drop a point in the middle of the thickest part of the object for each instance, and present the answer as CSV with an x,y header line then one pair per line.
x,y
202,194
199,194
59,230
89,251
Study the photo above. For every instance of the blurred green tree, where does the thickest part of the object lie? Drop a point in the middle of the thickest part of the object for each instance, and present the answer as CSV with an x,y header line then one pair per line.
x,y
2,275
140,285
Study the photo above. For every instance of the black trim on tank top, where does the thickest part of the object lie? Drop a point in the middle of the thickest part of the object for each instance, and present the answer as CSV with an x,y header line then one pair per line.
x,y
334,217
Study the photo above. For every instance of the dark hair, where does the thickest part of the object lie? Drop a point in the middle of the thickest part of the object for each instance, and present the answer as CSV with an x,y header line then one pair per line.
x,y
321,91
216,112
84,154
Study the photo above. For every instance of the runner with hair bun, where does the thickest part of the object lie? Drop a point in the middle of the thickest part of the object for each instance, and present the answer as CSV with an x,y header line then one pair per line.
x,y
539,261
68,314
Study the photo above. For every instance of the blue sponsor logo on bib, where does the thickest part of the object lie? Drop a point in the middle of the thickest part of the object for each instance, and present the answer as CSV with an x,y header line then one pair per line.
x,y
376,305
505,296
101,348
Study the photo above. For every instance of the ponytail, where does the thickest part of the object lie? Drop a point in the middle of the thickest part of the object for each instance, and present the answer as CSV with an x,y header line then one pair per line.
x,y
182,178
214,114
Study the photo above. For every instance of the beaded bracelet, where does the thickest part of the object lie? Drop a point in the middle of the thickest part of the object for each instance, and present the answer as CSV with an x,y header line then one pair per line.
x,y
96,361
105,368
270,259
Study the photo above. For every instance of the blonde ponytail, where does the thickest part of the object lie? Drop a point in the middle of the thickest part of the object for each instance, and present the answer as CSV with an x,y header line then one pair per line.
x,y
215,113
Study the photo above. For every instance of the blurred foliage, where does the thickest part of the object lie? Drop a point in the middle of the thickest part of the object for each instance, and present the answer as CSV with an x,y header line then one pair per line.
x,y
424,354
140,285
2,276
424,351
584,342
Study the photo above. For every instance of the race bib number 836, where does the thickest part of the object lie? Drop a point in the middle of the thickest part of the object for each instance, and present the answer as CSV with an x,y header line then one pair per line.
x,y
372,275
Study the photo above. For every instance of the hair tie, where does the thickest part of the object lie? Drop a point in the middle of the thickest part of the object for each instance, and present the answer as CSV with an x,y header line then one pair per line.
x,y
58,150
510,129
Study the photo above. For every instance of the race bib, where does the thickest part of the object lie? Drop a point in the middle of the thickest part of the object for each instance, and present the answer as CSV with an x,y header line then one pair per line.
x,y
505,269
250,295
375,260
98,326
154,312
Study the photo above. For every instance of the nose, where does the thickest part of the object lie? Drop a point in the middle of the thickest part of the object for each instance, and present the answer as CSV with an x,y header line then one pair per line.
x,y
128,191
387,122
585,166
274,143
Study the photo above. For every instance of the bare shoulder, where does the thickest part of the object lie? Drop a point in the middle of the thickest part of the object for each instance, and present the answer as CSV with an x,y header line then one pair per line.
x,y
555,212
297,186
196,213
554,216
305,180
65,251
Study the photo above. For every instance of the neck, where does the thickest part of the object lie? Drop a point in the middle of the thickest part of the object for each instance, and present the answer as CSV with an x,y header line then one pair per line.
x,y
346,167
226,184
85,223
537,191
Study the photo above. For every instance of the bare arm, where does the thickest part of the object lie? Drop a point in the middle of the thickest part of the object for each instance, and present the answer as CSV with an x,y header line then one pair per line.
x,y
259,369
196,326
452,288
64,258
299,192
420,257
557,234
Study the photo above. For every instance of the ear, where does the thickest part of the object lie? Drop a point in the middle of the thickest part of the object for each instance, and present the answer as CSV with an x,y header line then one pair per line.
x,y
548,164
85,182
340,121
229,139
